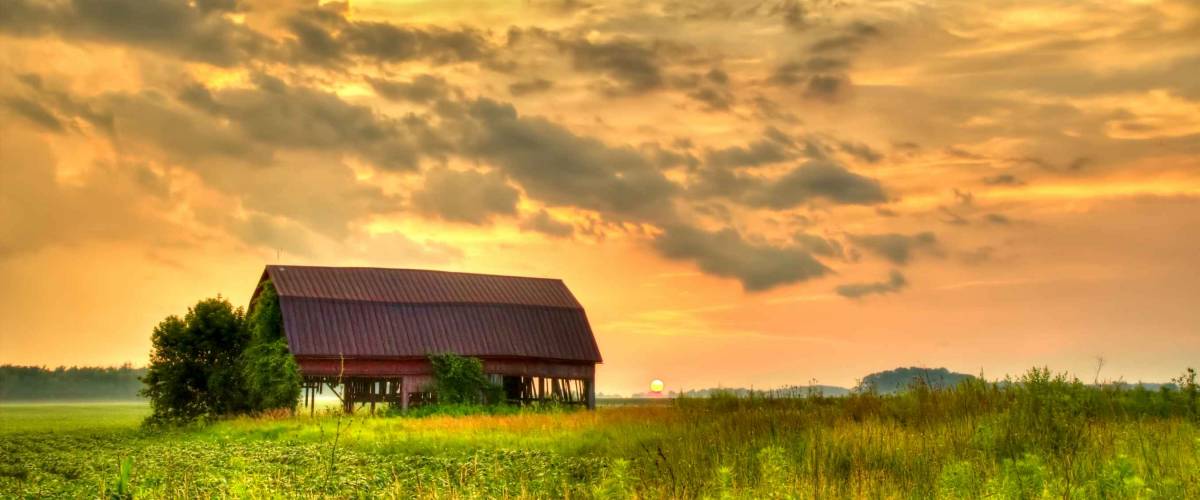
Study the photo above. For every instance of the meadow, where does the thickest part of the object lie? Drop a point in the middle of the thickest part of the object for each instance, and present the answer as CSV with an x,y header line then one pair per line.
x,y
1042,437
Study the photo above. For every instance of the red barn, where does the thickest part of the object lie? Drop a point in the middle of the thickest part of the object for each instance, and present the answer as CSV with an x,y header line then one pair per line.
x,y
371,330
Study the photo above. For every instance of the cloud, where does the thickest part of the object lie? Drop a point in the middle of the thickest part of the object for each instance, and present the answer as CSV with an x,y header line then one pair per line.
x,y
421,89
35,113
810,181
817,245
465,196
725,253
194,32
276,115
558,167
896,248
998,219
826,87
545,223
324,36
533,86
820,179
1003,180
275,233
774,147
861,151
894,283
103,203
633,65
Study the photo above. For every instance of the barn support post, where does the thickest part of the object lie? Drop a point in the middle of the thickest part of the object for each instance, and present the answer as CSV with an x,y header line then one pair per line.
x,y
403,394
589,386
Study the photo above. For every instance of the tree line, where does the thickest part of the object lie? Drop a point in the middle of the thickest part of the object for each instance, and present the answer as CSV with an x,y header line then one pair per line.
x,y
33,383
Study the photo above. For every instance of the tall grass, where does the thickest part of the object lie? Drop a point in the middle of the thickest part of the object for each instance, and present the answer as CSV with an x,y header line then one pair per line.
x,y
1041,435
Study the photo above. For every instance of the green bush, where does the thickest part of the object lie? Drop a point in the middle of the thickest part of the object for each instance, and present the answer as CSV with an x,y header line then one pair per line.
x,y
460,380
271,373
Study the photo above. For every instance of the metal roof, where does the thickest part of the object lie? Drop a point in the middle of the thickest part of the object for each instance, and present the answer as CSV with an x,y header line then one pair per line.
x,y
375,312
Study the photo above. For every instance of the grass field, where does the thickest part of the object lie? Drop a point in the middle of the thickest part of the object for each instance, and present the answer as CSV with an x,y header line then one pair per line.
x,y
1046,439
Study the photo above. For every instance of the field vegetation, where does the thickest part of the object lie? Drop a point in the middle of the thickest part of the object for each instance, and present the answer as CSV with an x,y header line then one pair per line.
x,y
1041,436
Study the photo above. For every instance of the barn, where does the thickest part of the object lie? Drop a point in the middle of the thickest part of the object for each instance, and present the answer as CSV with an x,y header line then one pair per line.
x,y
366,333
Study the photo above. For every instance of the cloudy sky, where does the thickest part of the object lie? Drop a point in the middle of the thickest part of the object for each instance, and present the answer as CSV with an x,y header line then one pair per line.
x,y
739,193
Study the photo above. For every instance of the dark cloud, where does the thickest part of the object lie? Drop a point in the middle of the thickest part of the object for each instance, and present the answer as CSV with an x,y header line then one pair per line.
x,y
324,36
420,89
774,147
633,65
826,87
725,253
799,72
895,247
710,89
861,151
35,113
276,115
817,245
1003,180
820,179
998,219
717,76
545,223
810,181
196,32
893,284
465,196
533,86
558,167
714,99
629,65
274,147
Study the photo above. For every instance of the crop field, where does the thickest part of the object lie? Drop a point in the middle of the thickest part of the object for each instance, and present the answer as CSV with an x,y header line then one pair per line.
x,y
1045,438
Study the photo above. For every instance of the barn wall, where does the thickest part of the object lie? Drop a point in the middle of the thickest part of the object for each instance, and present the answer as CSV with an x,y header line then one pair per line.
x,y
357,367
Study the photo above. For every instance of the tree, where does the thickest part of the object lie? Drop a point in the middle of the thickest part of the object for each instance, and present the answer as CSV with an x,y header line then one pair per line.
x,y
271,373
194,363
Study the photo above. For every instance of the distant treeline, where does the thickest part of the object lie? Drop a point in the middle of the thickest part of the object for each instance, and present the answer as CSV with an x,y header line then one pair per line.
x,y
31,383
793,391
901,379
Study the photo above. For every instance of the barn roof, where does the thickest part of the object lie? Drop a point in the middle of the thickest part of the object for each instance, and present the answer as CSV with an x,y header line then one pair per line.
x,y
406,313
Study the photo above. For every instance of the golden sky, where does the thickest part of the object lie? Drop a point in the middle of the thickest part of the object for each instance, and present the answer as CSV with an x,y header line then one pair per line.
x,y
740,193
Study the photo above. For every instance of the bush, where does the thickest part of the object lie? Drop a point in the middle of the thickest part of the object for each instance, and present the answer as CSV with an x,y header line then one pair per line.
x,y
271,373
194,369
460,380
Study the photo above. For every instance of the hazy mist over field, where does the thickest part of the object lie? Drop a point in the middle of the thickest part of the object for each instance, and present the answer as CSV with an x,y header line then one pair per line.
x,y
739,193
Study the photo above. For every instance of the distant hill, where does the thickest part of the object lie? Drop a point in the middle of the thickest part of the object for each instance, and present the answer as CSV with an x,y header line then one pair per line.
x,y
900,379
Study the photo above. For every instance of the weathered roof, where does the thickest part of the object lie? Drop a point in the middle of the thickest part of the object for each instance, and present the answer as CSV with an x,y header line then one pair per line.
x,y
375,312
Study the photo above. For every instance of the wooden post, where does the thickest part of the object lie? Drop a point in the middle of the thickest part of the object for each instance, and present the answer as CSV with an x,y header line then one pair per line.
x,y
590,387
374,391
403,394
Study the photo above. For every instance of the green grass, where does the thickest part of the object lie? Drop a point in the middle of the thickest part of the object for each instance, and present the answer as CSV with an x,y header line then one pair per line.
x,y
1044,438
16,418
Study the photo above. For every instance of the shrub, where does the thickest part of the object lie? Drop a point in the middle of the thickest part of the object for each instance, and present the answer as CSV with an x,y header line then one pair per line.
x,y
460,380
271,373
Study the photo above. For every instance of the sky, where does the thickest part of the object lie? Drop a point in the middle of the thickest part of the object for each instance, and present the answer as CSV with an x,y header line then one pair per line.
x,y
739,193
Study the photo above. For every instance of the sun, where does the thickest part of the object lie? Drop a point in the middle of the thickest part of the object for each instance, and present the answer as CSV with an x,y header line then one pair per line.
x,y
656,386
